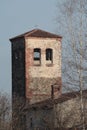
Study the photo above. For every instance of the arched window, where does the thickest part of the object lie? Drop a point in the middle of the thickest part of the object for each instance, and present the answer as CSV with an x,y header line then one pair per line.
x,y
49,54
37,56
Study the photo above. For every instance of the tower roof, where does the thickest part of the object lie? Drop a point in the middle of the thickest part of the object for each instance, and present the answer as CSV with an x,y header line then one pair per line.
x,y
37,33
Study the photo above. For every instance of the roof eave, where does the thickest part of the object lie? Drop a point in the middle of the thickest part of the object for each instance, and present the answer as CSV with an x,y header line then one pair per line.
x,y
32,31
14,38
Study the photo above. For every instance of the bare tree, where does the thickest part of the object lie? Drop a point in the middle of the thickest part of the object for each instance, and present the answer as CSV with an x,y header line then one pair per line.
x,y
5,112
12,119
72,20
68,113
18,113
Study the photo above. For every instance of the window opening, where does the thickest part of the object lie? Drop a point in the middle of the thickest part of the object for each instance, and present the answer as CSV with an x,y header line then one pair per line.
x,y
49,54
49,57
37,54
30,122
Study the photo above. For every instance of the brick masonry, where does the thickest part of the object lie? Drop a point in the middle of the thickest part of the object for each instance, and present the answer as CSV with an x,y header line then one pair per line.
x,y
29,81
40,78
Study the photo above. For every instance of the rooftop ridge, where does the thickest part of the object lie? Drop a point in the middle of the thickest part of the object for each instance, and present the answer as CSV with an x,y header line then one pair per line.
x,y
37,33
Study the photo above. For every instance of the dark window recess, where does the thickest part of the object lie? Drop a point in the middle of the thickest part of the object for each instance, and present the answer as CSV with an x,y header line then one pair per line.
x,y
49,54
30,122
37,54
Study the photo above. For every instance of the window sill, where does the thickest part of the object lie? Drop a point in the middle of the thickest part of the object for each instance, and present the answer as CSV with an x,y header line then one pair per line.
x,y
37,64
49,65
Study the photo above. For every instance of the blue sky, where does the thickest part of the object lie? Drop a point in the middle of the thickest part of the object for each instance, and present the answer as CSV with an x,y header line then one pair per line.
x,y
16,17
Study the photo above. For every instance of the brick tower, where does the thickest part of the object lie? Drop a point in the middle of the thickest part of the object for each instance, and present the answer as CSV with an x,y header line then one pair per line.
x,y
36,64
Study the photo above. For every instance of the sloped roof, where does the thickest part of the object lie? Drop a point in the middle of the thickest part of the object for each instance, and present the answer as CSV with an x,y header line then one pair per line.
x,y
50,102
37,33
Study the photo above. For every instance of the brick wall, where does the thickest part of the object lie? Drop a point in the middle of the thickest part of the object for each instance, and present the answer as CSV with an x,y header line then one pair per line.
x,y
40,78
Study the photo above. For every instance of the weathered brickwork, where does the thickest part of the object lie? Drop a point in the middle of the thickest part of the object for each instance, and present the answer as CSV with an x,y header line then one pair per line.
x,y
40,78
32,79
40,88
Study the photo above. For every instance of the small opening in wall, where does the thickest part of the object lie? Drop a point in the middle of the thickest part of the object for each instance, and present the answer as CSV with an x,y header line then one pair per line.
x,y
49,56
31,122
58,88
37,56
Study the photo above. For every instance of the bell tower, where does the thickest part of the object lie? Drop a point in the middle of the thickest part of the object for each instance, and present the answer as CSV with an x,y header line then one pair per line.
x,y
36,65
